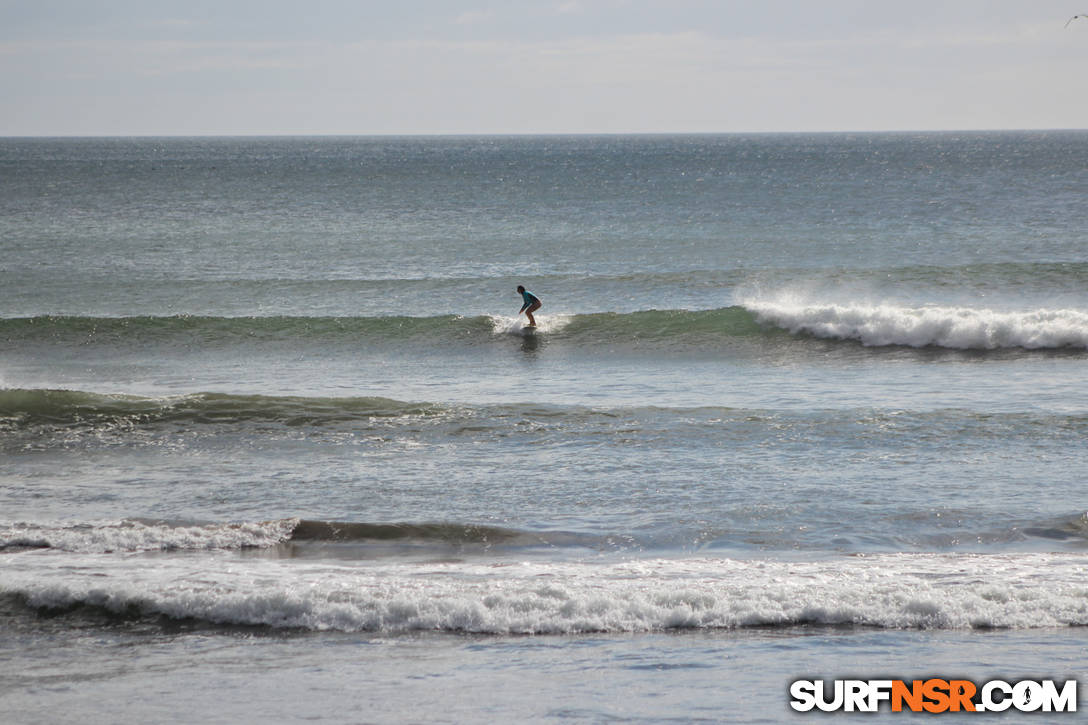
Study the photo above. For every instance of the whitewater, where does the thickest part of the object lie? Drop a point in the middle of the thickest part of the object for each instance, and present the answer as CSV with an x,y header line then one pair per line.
x,y
532,597
960,328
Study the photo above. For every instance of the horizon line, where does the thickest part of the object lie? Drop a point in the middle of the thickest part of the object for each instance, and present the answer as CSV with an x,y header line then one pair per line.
x,y
530,134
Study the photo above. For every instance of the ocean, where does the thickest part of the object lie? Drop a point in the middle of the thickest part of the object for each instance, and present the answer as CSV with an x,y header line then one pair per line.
x,y
275,445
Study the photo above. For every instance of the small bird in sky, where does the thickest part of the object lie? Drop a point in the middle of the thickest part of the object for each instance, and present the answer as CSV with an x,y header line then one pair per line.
x,y
1074,18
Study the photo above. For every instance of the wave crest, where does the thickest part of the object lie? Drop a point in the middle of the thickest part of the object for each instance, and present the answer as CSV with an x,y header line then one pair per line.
x,y
30,407
146,535
135,535
890,591
960,328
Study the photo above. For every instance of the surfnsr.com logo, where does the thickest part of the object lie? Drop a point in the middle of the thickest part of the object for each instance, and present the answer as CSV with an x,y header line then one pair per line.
x,y
933,695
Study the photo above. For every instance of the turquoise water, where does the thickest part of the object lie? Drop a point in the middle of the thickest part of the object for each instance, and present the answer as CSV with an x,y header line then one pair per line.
x,y
796,404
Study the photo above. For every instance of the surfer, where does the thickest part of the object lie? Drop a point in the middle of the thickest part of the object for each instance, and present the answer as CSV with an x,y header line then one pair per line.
x,y
532,304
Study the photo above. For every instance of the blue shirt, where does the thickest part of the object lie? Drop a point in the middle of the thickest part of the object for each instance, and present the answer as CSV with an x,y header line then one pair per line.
x,y
529,298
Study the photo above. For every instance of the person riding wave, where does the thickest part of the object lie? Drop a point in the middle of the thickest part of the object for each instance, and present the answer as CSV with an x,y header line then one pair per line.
x,y
532,304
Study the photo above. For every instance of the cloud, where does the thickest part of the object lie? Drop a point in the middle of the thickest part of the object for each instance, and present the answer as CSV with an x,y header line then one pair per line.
x,y
549,66
474,17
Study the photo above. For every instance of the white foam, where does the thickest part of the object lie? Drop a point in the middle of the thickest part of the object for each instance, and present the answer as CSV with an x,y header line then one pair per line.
x,y
964,328
506,325
887,591
134,536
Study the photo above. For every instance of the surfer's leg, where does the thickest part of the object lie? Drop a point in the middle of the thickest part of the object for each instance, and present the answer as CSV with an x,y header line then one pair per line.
x,y
529,312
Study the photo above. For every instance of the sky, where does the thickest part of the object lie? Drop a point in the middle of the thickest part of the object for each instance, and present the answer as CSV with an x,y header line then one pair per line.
x,y
315,67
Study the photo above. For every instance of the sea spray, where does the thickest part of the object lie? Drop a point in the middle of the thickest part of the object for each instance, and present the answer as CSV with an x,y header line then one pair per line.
x,y
961,328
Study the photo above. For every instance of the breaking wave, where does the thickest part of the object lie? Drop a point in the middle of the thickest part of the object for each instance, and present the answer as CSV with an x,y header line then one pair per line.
x,y
148,535
135,535
212,332
896,591
959,328
872,324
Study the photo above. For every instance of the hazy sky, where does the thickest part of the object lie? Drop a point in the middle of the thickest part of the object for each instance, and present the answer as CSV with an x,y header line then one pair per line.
x,y
122,67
